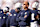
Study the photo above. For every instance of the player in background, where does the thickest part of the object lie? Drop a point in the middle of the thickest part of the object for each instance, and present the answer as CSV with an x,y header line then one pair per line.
x,y
1,13
23,17
34,15
13,22
13,14
5,16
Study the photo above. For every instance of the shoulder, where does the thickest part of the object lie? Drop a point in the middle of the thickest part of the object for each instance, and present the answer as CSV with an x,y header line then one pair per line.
x,y
21,10
29,10
12,10
1,9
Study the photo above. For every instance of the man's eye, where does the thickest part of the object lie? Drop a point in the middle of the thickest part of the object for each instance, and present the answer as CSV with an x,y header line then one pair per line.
x,y
24,4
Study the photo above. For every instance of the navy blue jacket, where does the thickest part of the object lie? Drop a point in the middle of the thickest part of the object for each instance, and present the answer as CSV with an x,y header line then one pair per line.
x,y
13,21
20,18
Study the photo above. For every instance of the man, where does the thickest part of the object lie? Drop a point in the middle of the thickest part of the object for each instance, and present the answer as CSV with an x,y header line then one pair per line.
x,y
23,17
13,14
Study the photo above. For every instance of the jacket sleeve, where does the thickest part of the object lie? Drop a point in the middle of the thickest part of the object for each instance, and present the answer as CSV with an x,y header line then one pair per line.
x,y
22,18
17,19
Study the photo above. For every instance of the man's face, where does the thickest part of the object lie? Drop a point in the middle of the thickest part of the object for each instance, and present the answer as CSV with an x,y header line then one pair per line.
x,y
25,5
16,10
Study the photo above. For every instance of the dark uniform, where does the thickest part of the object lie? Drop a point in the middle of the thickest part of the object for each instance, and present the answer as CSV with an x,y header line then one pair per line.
x,y
4,20
11,21
8,21
33,15
1,16
9,17
24,21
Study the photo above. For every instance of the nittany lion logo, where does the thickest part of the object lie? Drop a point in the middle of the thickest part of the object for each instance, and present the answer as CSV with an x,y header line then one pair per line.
x,y
14,14
25,13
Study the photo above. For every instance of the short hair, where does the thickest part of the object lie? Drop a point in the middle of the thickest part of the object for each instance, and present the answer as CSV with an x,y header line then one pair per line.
x,y
28,3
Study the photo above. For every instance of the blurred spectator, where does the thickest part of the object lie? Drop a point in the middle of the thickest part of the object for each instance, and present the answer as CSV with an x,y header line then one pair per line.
x,y
11,3
0,3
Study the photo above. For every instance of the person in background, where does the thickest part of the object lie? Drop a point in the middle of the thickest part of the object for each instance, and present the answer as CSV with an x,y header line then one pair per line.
x,y
34,15
4,17
13,14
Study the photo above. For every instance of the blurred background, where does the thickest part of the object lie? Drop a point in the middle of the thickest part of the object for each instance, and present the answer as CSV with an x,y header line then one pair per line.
x,y
11,3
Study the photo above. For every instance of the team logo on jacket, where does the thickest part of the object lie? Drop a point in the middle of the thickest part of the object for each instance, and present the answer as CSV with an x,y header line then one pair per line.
x,y
25,13
3,17
14,14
